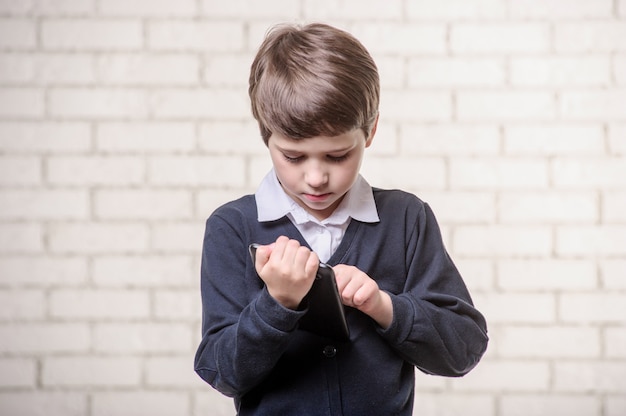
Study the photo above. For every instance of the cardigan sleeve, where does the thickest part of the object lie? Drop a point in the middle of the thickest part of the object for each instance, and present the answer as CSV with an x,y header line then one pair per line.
x,y
435,325
244,330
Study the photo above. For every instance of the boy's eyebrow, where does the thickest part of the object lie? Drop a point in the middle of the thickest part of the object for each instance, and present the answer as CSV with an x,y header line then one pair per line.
x,y
343,149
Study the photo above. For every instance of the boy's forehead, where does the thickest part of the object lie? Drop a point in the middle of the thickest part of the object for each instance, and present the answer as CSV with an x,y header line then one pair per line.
x,y
343,141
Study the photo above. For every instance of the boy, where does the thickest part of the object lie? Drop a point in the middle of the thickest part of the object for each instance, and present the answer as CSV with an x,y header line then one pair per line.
x,y
315,93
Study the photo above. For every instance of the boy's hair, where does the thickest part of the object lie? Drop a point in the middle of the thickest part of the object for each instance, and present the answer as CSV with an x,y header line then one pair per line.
x,y
313,80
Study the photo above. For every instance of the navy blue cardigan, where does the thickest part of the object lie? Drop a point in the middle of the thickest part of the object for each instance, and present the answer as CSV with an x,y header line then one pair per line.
x,y
251,347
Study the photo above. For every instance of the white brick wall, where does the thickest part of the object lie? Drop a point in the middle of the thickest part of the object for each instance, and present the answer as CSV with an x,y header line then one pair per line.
x,y
123,124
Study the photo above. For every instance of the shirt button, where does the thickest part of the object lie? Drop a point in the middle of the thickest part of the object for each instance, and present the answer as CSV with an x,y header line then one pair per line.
x,y
329,351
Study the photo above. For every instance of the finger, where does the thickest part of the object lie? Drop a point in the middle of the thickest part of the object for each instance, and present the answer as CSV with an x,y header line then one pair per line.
x,y
364,293
342,277
311,265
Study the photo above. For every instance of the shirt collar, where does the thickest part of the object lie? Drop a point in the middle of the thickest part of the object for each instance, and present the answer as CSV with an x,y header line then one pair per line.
x,y
273,203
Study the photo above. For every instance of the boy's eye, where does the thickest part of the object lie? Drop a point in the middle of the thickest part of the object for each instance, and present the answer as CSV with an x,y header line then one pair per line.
x,y
338,158
293,159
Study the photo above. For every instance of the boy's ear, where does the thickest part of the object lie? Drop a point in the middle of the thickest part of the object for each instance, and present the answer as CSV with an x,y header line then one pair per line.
x,y
369,140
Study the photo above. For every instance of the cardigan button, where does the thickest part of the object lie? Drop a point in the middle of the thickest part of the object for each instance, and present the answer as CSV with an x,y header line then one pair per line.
x,y
329,351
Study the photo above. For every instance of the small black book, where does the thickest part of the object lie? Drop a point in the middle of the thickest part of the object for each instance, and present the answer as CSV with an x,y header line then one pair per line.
x,y
325,315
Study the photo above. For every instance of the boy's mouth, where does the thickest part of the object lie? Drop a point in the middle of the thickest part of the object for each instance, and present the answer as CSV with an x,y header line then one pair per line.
x,y
317,197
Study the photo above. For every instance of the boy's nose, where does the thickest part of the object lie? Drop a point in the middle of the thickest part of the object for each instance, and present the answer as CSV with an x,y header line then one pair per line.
x,y
316,176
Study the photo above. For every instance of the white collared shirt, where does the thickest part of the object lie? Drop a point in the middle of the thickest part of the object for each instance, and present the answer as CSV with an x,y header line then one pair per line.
x,y
323,236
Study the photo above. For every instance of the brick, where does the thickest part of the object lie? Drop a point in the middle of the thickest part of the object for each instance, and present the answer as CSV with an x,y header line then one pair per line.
x,y
392,72
15,8
17,373
21,103
144,271
554,139
197,170
589,173
499,38
200,103
37,403
498,173
46,69
178,305
456,72
21,238
182,237
433,404
352,10
26,338
456,9
94,304
20,170
615,405
589,376
401,38
614,207
502,241
448,140
142,338
593,307
147,69
148,8
142,137
95,170
143,204
561,71
617,139
230,70
231,137
619,69
612,272
28,271
561,9
44,204
581,240
553,404
17,33
548,207
139,403
478,207
407,106
546,275
245,9
615,342
22,305
495,376
426,173
514,308
91,34
98,238
195,35
46,137
62,8
98,103
557,342
593,105
171,372
88,371
512,105
592,36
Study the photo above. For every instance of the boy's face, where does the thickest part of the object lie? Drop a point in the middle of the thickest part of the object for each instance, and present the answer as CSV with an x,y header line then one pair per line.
x,y
317,172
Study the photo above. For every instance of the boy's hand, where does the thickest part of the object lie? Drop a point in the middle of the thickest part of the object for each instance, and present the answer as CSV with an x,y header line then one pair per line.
x,y
288,270
360,291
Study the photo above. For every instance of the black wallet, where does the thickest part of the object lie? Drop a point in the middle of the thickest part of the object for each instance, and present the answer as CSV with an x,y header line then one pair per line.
x,y
325,315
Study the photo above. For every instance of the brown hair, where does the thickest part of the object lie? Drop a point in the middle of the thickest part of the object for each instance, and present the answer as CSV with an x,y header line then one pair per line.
x,y
314,80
